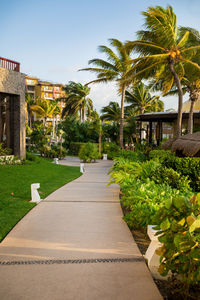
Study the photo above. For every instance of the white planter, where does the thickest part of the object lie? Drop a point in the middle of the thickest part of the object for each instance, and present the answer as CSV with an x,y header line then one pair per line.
x,y
34,192
5,159
82,168
105,156
152,258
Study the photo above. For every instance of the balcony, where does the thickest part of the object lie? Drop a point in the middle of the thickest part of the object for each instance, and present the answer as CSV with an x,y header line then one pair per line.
x,y
48,97
9,64
47,89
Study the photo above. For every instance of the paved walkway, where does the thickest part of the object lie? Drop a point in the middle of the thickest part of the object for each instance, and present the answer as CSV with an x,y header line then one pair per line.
x,y
74,245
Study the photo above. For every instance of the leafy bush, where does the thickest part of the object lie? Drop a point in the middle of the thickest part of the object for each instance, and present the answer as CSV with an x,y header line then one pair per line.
x,y
186,166
10,160
58,151
159,174
76,131
75,148
40,135
178,222
30,156
55,151
132,156
4,150
141,194
111,149
160,154
88,152
143,199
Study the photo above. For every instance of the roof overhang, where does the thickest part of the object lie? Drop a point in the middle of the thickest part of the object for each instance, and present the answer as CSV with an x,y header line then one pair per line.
x,y
164,116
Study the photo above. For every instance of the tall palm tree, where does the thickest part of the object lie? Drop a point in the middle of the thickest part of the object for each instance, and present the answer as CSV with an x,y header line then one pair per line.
x,y
45,109
191,78
115,68
77,100
164,51
29,102
140,99
111,112
97,125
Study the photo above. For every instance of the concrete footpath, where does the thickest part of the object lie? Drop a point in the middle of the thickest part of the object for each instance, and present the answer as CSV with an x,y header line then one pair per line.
x,y
75,245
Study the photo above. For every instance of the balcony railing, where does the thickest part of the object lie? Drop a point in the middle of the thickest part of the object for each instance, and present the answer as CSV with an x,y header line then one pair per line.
x,y
9,64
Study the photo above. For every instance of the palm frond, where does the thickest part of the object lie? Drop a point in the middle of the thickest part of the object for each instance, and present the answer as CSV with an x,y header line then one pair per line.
x,y
183,40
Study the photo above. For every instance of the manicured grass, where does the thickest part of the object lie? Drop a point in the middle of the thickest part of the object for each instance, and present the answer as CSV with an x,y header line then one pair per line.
x,y
15,192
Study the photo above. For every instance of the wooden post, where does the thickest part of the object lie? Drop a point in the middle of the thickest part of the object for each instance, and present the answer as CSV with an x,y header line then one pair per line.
x,y
150,132
160,130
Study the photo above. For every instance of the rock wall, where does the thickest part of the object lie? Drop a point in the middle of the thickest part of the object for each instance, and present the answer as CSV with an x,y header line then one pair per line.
x,y
13,84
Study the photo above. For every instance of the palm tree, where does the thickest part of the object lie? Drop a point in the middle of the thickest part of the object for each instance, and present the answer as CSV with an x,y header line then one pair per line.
x,y
111,112
141,100
191,79
77,100
164,52
115,68
45,109
29,102
97,125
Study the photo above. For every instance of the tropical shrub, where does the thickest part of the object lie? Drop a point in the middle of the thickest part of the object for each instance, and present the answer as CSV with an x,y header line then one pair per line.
x,y
160,154
75,148
89,152
111,149
58,151
149,169
4,150
178,222
30,156
186,166
159,174
51,152
142,189
132,156
143,199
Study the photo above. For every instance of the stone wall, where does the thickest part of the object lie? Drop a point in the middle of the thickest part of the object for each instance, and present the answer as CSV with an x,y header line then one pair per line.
x,y
13,84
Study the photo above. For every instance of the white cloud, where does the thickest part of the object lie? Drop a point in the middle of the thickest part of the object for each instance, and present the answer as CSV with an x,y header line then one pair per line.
x,y
103,93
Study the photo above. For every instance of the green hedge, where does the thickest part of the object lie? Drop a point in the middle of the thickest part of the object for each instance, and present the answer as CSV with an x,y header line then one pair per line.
x,y
186,166
111,149
89,152
75,147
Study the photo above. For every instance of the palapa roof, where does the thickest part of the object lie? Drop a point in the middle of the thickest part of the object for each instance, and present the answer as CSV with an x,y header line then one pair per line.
x,y
186,105
188,145
164,116
168,144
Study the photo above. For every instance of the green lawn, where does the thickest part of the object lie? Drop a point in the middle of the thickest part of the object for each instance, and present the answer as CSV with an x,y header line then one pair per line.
x,y
15,192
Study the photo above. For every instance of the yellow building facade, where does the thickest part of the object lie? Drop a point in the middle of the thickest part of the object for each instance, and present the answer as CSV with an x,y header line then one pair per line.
x,y
44,90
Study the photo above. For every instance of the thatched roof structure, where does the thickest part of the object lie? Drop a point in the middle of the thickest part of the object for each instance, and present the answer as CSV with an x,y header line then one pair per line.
x,y
187,145
186,105
168,144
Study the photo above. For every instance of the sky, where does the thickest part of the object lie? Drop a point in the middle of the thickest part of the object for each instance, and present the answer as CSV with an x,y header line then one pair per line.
x,y
54,39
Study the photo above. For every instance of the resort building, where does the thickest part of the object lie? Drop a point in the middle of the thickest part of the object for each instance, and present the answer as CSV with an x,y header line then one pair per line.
x,y
155,126
12,106
48,90
31,83
45,90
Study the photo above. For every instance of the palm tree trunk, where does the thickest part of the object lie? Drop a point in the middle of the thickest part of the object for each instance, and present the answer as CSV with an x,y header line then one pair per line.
x,y
53,130
141,124
180,98
29,118
190,120
100,143
100,135
81,115
121,133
